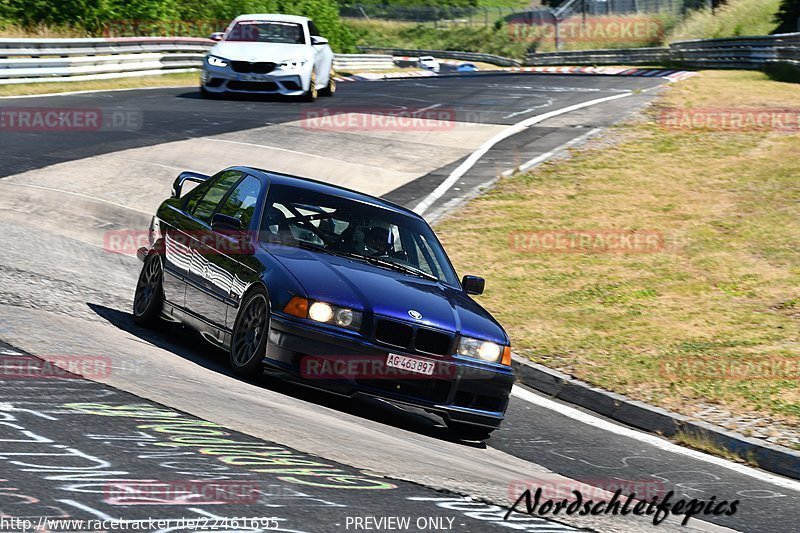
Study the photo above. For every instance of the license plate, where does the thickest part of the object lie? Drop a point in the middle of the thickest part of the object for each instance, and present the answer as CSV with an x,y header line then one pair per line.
x,y
254,77
410,364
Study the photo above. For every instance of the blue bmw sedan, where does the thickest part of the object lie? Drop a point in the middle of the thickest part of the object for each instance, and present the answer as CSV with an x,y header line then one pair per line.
x,y
328,288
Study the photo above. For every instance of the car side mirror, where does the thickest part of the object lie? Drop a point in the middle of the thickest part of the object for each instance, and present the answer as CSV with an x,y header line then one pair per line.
x,y
317,40
237,241
473,284
182,178
225,224
216,36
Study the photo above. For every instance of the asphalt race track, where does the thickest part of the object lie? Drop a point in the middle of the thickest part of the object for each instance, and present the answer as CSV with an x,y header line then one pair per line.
x,y
77,448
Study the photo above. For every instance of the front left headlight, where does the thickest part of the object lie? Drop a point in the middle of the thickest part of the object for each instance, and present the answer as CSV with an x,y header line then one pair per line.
x,y
293,64
215,61
484,350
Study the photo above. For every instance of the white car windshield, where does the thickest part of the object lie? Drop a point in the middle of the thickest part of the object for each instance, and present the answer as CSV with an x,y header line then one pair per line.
x,y
260,31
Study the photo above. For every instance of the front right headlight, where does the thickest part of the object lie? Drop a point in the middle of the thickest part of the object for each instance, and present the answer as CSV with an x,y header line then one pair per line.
x,y
484,350
324,312
215,61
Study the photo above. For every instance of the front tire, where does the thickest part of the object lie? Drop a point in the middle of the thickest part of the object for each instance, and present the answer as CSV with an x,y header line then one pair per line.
x,y
330,89
250,332
148,301
312,93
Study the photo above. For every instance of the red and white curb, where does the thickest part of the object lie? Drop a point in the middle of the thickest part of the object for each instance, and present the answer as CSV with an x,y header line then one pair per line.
x,y
671,75
377,76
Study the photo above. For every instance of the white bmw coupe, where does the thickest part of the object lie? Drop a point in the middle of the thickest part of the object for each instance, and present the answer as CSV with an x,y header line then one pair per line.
x,y
269,54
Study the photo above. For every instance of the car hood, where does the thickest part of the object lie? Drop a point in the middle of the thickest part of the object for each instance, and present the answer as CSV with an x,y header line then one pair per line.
x,y
358,285
252,52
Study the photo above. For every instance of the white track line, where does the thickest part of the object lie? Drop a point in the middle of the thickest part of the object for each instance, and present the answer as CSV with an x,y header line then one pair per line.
x,y
547,155
42,187
653,440
468,163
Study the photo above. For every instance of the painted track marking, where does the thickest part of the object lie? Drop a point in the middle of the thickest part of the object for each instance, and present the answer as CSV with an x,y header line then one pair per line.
x,y
653,440
473,158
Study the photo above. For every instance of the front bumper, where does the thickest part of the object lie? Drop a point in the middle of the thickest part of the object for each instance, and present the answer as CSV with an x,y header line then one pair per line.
x,y
458,391
224,79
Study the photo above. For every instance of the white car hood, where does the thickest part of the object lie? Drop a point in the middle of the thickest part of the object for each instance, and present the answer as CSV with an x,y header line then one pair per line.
x,y
252,52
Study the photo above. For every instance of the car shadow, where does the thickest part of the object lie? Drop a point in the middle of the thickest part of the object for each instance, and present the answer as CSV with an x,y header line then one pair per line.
x,y
239,97
190,345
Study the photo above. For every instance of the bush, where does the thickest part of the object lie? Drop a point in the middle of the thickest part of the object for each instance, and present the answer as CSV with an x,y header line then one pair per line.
x,y
91,15
788,17
490,40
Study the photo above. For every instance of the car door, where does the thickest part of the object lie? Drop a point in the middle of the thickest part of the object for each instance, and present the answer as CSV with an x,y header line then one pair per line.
x,y
204,283
230,249
175,222
323,56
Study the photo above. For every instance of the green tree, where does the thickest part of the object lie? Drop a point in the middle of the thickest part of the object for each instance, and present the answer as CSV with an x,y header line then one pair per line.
x,y
788,17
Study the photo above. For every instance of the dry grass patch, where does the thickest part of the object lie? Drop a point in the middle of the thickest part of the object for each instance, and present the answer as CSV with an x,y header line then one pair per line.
x,y
187,79
725,288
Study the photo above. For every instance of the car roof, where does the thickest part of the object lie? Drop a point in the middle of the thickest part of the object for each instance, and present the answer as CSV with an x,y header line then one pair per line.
x,y
328,188
273,17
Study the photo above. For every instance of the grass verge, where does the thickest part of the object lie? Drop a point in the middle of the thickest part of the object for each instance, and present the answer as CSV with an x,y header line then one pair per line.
x,y
732,19
165,80
704,319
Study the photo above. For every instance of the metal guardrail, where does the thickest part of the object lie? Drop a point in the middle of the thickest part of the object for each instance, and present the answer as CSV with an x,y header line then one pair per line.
x,y
734,52
347,62
629,56
447,54
49,60
52,60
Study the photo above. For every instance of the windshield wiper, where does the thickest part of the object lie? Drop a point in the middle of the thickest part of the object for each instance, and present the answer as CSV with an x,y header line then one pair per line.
x,y
369,259
397,266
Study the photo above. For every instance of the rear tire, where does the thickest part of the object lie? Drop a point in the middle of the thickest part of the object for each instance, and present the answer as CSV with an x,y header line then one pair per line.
x,y
148,301
470,432
250,333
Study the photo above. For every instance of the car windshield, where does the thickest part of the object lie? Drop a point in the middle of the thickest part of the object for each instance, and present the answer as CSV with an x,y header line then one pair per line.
x,y
259,31
335,225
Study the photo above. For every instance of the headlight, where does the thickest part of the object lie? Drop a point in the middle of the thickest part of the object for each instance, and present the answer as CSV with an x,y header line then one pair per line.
x,y
484,350
215,61
293,64
324,312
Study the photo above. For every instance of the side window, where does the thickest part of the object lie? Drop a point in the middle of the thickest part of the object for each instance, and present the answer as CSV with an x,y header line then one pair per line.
x,y
312,29
241,203
206,203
